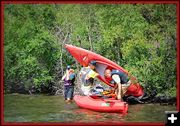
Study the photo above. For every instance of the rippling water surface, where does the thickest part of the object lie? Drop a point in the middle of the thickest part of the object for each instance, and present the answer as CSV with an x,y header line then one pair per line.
x,y
41,108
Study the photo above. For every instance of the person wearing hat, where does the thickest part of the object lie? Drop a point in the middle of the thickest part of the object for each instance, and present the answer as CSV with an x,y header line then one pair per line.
x,y
92,72
68,78
87,75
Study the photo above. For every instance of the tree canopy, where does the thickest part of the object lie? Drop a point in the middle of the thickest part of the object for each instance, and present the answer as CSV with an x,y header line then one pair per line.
x,y
139,37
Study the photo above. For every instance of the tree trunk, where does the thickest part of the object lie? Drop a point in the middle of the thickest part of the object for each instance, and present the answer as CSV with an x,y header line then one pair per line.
x,y
61,56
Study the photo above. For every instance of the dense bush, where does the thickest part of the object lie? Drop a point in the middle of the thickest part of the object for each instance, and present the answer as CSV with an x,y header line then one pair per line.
x,y
139,37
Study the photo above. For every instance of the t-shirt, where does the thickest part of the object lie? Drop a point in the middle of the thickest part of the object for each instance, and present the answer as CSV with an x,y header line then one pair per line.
x,y
116,78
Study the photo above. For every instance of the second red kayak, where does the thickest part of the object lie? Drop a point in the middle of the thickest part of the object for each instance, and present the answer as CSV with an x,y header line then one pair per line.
x,y
101,105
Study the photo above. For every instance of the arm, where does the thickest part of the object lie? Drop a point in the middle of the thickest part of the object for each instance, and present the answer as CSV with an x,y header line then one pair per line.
x,y
119,91
63,77
66,75
115,87
117,79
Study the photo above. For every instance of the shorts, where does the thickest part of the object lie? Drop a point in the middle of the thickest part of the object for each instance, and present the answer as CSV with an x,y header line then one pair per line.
x,y
127,84
68,92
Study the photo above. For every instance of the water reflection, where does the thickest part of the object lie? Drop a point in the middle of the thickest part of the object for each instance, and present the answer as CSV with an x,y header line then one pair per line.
x,y
92,116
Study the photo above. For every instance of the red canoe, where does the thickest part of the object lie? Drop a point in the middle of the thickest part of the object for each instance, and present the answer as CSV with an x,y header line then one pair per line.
x,y
84,57
101,105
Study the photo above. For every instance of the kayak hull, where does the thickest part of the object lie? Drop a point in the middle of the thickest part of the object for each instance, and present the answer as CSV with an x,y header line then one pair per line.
x,y
85,56
101,105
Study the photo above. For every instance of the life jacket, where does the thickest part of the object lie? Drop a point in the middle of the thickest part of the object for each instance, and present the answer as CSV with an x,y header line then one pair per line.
x,y
69,82
88,72
134,89
124,78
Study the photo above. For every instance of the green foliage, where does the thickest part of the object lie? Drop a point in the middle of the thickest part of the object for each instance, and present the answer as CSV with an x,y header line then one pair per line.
x,y
139,37
30,49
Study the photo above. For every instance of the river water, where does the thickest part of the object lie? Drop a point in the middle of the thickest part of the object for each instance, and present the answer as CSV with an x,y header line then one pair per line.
x,y
42,108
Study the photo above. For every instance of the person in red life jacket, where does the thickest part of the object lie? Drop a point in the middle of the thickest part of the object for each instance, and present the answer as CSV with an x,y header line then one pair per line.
x,y
120,79
69,78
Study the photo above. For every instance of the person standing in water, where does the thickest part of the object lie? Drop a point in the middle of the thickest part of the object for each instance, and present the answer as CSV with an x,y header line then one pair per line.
x,y
69,78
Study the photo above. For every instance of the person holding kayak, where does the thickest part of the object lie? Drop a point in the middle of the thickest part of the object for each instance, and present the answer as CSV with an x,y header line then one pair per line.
x,y
120,79
91,73
68,78
87,75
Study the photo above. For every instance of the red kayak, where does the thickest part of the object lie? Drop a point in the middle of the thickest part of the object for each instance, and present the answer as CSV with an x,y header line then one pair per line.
x,y
84,57
101,105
